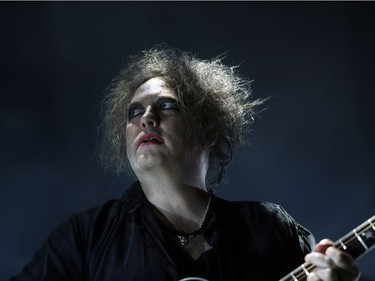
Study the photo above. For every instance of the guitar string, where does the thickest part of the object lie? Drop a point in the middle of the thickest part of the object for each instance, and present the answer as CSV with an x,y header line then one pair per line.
x,y
350,237
347,239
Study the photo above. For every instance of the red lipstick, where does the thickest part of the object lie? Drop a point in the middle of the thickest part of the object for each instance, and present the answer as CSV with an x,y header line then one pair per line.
x,y
150,138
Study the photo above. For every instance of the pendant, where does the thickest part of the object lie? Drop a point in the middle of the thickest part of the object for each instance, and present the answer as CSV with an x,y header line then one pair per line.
x,y
185,239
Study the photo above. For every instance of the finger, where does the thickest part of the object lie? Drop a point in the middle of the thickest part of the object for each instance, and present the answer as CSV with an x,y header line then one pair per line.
x,y
319,259
326,274
313,277
323,245
340,258
343,261
326,241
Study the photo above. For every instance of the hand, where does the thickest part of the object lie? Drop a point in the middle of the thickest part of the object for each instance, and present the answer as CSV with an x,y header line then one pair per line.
x,y
331,264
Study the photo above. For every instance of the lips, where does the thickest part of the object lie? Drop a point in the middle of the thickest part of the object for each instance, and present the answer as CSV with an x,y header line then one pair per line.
x,y
150,139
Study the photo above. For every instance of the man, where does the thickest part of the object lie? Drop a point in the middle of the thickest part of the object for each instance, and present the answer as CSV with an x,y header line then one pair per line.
x,y
175,121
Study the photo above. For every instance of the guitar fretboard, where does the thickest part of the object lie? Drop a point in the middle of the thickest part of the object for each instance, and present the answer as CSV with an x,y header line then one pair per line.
x,y
357,242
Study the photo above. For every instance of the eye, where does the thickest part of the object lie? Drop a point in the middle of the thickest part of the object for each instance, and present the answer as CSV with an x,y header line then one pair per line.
x,y
134,112
168,104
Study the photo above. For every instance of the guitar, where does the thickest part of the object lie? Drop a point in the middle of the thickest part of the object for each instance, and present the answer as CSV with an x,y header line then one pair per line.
x,y
357,242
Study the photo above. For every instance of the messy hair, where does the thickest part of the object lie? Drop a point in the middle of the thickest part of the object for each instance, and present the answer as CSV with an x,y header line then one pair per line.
x,y
214,100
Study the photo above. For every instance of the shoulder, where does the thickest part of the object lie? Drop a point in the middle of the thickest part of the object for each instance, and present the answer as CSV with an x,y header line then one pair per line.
x,y
277,237
67,248
266,213
104,216
107,211
257,211
267,219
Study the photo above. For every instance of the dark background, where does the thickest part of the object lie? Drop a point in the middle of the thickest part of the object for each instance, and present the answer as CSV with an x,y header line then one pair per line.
x,y
311,151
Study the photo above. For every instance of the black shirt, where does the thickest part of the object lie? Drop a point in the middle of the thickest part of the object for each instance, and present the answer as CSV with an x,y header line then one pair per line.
x,y
123,240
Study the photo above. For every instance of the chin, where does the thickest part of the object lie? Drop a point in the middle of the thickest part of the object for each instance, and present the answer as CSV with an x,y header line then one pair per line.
x,y
148,162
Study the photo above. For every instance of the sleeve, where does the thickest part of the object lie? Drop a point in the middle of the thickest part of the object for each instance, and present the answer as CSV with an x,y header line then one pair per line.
x,y
280,241
60,258
305,237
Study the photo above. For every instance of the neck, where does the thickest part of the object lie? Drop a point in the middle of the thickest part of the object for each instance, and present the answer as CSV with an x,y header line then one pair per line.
x,y
177,190
179,181
159,188
182,203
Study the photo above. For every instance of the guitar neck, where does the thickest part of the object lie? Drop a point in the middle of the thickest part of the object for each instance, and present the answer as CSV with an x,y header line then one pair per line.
x,y
357,242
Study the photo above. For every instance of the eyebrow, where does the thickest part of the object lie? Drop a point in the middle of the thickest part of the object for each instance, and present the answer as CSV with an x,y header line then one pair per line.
x,y
166,98
137,104
134,105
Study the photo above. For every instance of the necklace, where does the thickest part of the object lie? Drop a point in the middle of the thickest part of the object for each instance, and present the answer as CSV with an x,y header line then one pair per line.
x,y
185,238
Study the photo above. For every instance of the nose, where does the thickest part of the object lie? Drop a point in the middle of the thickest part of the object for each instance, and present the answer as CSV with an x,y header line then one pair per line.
x,y
149,118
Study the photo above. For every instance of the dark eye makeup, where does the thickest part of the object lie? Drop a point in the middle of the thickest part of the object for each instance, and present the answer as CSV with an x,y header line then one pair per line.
x,y
167,103
164,103
134,110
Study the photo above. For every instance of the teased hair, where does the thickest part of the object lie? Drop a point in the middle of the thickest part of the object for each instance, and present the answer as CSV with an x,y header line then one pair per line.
x,y
215,102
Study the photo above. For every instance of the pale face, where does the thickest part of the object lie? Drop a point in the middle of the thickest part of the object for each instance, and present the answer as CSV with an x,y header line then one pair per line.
x,y
155,132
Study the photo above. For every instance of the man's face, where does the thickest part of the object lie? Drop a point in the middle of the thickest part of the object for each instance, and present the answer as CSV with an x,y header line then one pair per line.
x,y
155,132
